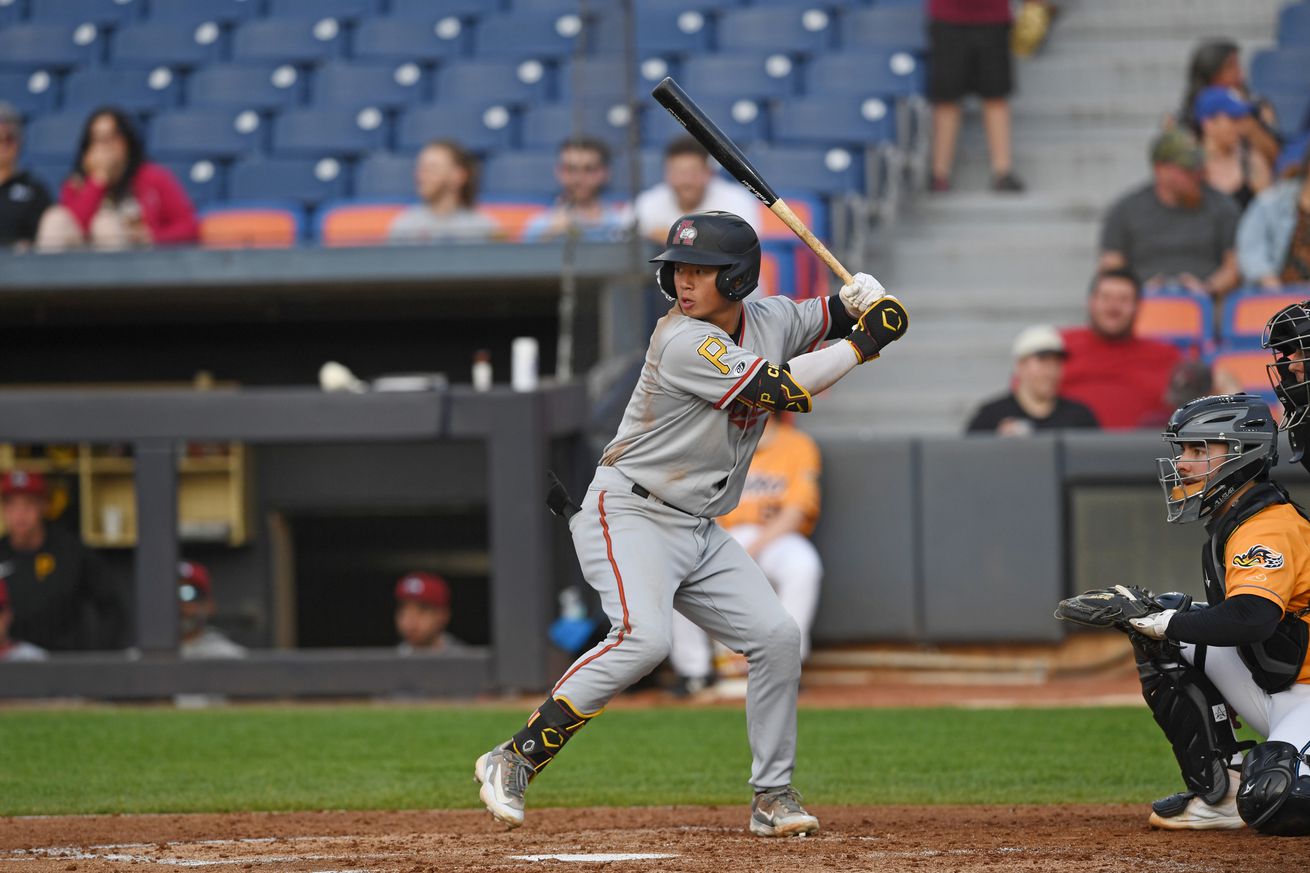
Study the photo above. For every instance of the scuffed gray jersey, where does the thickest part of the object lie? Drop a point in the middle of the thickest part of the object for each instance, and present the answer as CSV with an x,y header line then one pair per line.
x,y
684,437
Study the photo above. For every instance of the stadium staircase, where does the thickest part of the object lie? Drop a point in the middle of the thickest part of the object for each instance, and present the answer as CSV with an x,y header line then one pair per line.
x,y
976,267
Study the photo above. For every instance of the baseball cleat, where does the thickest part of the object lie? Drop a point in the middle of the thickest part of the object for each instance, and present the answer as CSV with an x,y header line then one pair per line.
x,y
504,775
1187,812
777,812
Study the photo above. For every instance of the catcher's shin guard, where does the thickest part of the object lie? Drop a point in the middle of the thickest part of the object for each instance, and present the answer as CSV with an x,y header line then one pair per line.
x,y
1192,714
547,730
1274,797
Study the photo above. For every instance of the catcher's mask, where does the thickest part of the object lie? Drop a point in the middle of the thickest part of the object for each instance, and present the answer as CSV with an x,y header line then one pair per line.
x,y
1287,336
714,239
1243,425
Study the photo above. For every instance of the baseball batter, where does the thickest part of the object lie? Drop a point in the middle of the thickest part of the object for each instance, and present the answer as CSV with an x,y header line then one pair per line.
x,y
646,537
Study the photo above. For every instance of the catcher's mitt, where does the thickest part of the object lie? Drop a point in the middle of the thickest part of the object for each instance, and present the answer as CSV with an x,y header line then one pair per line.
x,y
1108,607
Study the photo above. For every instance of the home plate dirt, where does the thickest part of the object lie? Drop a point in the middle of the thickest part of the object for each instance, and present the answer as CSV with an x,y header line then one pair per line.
x,y
924,839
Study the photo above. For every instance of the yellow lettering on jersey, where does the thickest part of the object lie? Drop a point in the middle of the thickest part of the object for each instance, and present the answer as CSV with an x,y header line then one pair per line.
x,y
712,350
43,566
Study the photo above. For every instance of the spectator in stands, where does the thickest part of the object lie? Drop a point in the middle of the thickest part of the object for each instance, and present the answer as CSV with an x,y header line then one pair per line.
x,y
22,196
1218,64
690,185
1120,377
583,171
10,648
115,198
1034,403
51,578
1175,230
422,615
195,603
1273,238
969,52
446,177
1232,166
777,513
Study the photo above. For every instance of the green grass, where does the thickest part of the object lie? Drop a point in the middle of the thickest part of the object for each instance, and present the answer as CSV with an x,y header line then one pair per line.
x,y
359,757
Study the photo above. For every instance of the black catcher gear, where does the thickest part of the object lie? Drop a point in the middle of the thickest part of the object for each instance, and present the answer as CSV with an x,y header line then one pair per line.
x,y
1244,424
1274,797
713,239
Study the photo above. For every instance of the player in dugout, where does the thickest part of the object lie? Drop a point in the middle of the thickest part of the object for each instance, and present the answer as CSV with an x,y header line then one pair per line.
x,y
716,368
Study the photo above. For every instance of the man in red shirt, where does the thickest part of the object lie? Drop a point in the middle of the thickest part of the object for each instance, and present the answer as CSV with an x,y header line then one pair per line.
x,y
1122,378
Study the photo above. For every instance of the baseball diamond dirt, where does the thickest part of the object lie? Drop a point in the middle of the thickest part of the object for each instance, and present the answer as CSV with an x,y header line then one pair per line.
x,y
690,839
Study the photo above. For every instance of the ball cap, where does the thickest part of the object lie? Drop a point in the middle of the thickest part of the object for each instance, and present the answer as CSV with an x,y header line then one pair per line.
x,y
1177,147
426,588
712,239
22,482
192,581
1040,339
1218,100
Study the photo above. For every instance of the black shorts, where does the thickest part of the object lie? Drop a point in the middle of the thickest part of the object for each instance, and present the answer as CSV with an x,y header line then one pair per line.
x,y
968,59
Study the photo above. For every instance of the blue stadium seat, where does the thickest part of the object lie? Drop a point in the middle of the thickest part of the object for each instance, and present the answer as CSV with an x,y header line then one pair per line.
x,y
606,78
749,74
493,81
561,7
650,170
892,26
476,126
288,40
409,39
205,133
105,12
775,29
468,9
891,72
674,28
135,90
50,173
166,43
335,132
741,118
343,84
306,180
526,174
56,46
345,10
1294,26
548,126
850,121
238,86
521,35
11,11
385,175
30,93
194,12
53,138
202,179
823,171
1279,70
1293,110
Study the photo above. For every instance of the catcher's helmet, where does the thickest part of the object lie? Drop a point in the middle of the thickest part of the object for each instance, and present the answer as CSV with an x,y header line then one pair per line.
x,y
714,239
1244,424
1287,336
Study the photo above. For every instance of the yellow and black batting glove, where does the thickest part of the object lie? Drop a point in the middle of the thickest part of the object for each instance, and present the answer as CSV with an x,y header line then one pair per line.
x,y
882,323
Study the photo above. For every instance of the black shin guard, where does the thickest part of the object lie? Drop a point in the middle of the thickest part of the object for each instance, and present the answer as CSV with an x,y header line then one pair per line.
x,y
547,730
1192,714
1275,798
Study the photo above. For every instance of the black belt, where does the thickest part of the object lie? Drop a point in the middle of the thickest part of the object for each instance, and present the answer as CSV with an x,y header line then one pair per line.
x,y
646,495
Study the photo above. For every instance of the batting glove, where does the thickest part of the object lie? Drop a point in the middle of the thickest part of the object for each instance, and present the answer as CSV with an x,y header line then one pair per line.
x,y
862,293
1153,625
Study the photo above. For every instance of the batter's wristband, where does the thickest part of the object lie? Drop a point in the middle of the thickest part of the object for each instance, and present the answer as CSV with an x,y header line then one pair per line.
x,y
882,323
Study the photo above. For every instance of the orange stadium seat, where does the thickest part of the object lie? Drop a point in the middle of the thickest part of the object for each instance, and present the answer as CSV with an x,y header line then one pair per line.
x,y
772,226
356,224
1184,319
1249,368
770,273
263,226
1246,312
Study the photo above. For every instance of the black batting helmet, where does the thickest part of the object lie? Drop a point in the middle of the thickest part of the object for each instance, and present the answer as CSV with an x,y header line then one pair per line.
x,y
713,239
1287,336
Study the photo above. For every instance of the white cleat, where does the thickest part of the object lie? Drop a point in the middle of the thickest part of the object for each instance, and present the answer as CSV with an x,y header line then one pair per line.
x,y
777,812
1187,812
504,775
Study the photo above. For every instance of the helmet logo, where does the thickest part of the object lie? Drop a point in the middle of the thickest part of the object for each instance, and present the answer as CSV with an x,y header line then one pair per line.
x,y
1259,556
687,233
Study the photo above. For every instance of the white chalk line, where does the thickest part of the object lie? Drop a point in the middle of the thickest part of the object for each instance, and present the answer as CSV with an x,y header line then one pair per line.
x,y
597,857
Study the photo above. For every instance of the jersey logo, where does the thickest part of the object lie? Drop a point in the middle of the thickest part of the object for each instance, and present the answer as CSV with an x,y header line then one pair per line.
x,y
712,350
687,233
1258,556
43,566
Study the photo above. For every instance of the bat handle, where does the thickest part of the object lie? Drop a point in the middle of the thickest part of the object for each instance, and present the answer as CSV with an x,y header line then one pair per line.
x,y
789,218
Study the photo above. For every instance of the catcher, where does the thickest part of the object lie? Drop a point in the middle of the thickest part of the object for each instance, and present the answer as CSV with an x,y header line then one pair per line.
x,y
1243,653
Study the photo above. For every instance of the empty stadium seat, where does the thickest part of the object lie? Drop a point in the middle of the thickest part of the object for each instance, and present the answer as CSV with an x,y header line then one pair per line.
x,y
196,12
548,126
205,133
134,90
345,10
607,78
319,132
1177,317
306,180
288,40
806,31
808,208
241,86
1250,368
492,81
742,119
664,27
1292,109
1281,70
107,12
1246,312
897,26
251,225
830,171
54,137
11,11
167,43
385,175
202,179
475,126
347,85
49,46
31,93
441,8
891,72
1294,26
50,173
521,35
355,223
395,39
521,173
751,74
821,120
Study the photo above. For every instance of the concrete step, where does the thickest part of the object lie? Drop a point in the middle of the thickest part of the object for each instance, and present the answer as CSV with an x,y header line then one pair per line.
x,y
1150,19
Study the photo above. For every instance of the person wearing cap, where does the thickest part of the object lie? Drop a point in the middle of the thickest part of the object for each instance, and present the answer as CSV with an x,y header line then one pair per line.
x,y
1175,230
1121,377
422,615
1232,165
1273,237
583,172
55,584
1034,402
10,648
22,196
195,603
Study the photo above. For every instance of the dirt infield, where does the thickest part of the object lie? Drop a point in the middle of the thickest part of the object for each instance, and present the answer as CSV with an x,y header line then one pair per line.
x,y
695,840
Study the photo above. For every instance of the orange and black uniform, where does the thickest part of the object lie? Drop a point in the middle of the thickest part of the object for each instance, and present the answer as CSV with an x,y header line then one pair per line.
x,y
51,588
784,472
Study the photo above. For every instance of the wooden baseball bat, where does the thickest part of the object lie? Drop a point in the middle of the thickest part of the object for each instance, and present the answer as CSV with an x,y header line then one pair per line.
x,y
671,96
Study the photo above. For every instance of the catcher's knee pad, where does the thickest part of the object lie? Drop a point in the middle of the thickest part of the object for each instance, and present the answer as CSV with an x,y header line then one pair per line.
x,y
1274,797
548,729
1192,714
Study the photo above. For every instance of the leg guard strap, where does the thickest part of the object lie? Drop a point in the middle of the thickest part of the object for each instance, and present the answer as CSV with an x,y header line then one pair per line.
x,y
547,730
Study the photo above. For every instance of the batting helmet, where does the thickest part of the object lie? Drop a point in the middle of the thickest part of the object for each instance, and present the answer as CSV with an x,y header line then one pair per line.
x,y
1287,336
1244,424
713,239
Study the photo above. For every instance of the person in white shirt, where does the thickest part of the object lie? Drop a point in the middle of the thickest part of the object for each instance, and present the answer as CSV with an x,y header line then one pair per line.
x,y
14,650
691,185
446,179
195,596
